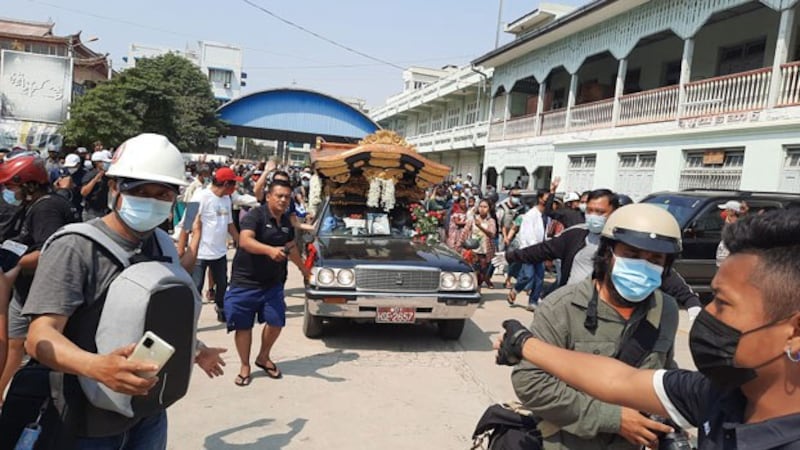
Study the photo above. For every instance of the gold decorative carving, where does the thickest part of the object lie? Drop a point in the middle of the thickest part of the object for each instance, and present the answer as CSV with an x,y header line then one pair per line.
x,y
386,137
341,178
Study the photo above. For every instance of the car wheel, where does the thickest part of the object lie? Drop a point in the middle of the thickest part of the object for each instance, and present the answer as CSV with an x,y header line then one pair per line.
x,y
451,329
312,325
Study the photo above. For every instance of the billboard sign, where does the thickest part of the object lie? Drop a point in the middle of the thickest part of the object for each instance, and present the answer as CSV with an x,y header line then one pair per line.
x,y
35,87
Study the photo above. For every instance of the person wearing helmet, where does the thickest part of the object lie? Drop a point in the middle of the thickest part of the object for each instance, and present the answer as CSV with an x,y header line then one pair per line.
x,y
568,216
624,200
620,304
40,213
576,248
52,163
143,186
745,345
94,186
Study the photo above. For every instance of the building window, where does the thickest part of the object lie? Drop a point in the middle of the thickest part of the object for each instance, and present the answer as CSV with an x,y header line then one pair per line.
x,y
742,57
437,120
712,169
790,179
635,174
453,117
580,173
671,74
220,76
472,113
419,84
424,124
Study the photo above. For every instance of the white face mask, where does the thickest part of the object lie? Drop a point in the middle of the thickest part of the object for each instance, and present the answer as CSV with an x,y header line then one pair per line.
x,y
143,214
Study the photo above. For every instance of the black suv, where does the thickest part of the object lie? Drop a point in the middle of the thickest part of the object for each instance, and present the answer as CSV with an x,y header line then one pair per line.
x,y
698,214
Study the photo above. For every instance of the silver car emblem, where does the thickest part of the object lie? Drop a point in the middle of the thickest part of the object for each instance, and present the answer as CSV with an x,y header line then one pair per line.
x,y
399,280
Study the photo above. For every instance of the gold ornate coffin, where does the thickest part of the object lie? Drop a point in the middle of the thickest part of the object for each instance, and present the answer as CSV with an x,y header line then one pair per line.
x,y
346,169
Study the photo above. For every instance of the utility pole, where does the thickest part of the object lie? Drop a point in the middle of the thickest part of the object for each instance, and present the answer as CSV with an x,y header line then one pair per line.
x,y
499,24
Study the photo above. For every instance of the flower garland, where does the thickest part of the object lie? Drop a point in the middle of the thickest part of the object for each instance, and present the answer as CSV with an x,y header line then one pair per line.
x,y
314,194
387,197
374,194
426,223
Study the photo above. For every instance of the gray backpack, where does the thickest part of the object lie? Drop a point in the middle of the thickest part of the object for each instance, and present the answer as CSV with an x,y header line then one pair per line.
x,y
148,295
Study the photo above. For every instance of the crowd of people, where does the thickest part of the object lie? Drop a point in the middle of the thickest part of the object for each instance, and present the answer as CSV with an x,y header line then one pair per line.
x,y
101,223
85,220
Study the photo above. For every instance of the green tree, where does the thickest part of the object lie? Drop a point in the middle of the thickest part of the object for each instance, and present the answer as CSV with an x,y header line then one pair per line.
x,y
166,95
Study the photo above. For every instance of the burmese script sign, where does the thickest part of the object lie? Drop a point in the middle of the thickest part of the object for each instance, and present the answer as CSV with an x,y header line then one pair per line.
x,y
34,87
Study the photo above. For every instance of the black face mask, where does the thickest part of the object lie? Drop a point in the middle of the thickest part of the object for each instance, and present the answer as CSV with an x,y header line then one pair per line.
x,y
713,345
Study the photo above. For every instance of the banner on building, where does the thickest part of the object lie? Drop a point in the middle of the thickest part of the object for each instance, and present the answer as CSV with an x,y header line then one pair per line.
x,y
34,87
29,135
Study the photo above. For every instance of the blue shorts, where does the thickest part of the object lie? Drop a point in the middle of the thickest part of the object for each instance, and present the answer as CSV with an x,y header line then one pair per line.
x,y
243,305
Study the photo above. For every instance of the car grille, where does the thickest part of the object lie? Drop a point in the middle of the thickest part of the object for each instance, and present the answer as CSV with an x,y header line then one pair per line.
x,y
397,279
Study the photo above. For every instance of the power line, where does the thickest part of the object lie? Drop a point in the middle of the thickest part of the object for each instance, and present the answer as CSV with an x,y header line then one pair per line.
x,y
319,36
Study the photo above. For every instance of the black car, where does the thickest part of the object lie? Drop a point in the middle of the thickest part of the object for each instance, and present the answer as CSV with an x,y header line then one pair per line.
x,y
699,215
367,267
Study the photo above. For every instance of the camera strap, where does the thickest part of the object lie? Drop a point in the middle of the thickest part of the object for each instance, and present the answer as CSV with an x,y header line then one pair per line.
x,y
642,340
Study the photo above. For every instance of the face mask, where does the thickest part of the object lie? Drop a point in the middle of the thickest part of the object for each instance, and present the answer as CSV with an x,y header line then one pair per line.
x,y
595,223
106,166
713,345
304,183
143,214
515,201
635,279
10,197
582,207
72,170
455,197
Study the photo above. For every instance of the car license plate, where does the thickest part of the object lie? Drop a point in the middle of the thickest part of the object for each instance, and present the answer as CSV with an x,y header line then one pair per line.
x,y
393,314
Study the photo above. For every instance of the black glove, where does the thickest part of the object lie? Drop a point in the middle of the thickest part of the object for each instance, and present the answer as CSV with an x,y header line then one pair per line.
x,y
510,352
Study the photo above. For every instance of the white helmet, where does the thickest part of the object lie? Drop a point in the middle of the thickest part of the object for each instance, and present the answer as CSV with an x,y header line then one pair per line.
x,y
149,157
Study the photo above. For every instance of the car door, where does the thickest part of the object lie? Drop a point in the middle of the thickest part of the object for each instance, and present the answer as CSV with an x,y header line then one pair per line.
x,y
701,237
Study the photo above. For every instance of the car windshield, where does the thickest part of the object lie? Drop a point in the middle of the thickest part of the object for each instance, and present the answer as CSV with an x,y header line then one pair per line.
x,y
360,220
682,208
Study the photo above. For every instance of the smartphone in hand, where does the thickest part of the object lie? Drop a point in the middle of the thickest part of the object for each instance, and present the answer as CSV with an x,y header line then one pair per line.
x,y
152,349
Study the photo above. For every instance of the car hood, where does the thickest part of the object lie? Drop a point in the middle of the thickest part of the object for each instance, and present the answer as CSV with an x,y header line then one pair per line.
x,y
347,252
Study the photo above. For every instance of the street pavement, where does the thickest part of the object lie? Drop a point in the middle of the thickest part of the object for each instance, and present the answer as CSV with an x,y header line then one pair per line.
x,y
360,386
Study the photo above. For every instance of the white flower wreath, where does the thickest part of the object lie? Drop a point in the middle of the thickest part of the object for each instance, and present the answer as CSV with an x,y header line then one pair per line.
x,y
374,194
388,197
314,193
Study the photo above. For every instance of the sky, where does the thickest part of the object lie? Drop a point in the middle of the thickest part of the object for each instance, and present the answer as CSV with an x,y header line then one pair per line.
x,y
430,33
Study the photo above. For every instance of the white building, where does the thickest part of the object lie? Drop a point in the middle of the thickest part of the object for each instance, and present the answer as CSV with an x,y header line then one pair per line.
x,y
222,64
444,113
647,95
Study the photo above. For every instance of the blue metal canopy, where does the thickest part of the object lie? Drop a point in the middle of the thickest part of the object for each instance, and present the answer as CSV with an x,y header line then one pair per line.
x,y
295,115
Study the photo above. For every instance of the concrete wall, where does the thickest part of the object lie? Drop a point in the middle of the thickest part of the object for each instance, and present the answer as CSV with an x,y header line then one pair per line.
x,y
764,155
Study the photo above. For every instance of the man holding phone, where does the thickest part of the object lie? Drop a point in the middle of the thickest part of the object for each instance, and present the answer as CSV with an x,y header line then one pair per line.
x,y
75,271
259,273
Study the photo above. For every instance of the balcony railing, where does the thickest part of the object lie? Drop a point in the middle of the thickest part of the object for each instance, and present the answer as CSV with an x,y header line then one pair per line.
x,y
554,122
790,84
740,92
592,115
452,136
649,106
737,92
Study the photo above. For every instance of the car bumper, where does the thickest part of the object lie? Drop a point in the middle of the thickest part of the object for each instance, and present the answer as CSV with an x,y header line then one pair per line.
x,y
364,305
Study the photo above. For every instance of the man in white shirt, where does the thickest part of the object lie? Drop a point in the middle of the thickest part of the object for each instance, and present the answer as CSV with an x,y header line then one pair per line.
x,y
531,276
199,182
217,222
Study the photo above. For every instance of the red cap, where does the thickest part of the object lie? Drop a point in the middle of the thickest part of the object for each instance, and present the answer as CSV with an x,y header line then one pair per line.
x,y
224,174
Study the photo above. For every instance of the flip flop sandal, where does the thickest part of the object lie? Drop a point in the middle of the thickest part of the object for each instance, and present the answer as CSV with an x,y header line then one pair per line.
x,y
243,381
272,372
511,297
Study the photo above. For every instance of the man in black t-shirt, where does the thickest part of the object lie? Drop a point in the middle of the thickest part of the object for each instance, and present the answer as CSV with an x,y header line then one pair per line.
x,y
94,186
26,186
258,275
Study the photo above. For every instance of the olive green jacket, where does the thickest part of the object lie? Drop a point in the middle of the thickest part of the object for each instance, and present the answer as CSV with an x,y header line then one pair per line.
x,y
571,419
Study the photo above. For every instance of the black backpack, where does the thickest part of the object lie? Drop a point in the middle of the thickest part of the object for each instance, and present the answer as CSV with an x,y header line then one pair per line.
x,y
506,427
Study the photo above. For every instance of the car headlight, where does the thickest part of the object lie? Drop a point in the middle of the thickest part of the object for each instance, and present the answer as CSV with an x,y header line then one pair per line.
x,y
466,281
448,281
345,277
325,277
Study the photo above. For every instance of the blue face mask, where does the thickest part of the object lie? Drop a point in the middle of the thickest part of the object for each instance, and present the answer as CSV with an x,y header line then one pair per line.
x,y
635,279
595,223
10,197
143,214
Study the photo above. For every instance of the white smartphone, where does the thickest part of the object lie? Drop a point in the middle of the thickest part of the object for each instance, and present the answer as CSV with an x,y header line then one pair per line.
x,y
152,349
